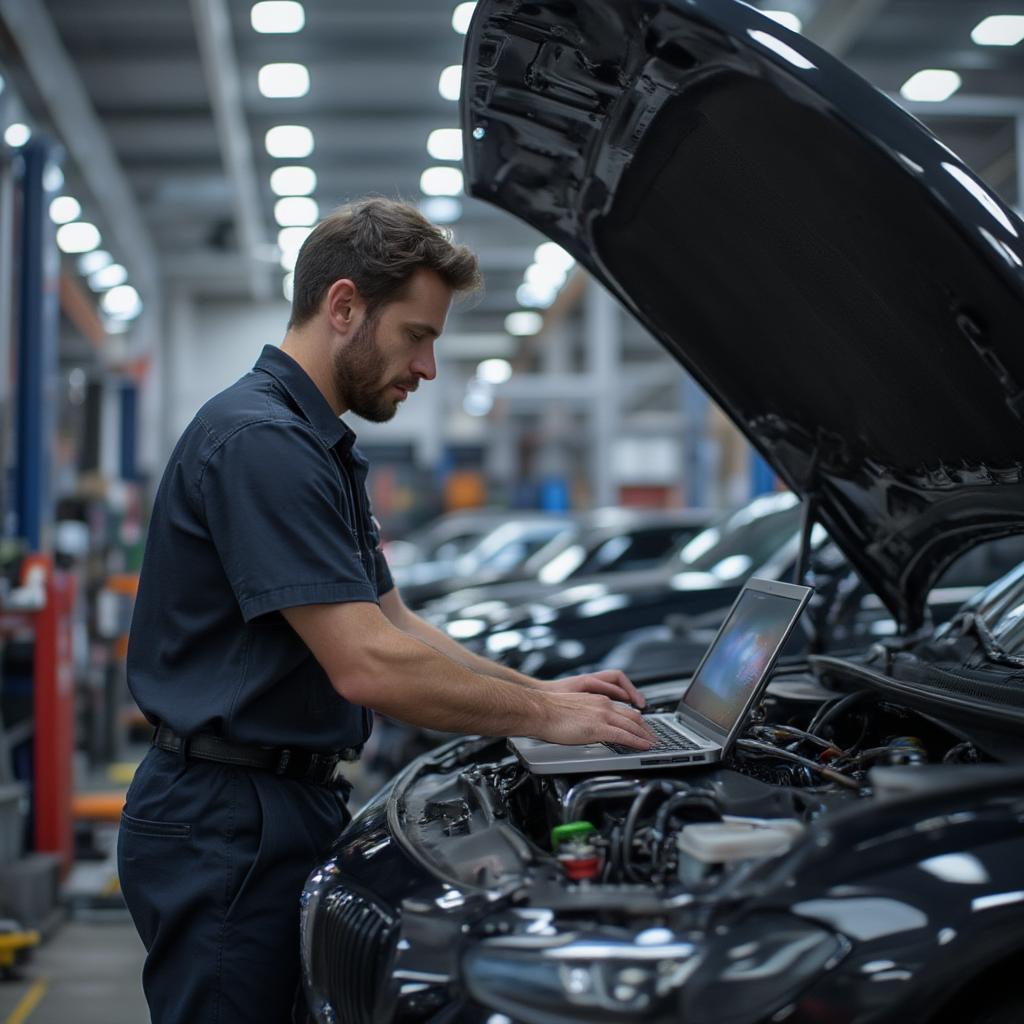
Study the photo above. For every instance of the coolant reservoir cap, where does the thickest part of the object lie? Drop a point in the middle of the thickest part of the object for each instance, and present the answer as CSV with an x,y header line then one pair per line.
x,y
735,838
571,830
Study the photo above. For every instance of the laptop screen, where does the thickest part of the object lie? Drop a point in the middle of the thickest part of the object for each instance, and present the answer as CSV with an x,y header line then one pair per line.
x,y
740,656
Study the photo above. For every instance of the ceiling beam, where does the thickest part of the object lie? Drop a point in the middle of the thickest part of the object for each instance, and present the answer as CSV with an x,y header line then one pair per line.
x,y
55,77
964,105
213,29
838,24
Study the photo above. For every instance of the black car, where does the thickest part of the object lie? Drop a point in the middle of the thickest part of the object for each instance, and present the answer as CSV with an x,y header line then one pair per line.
x,y
499,553
553,633
852,296
605,542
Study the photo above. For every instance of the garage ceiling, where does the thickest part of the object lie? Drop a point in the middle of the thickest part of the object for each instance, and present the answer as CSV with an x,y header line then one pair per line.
x,y
373,101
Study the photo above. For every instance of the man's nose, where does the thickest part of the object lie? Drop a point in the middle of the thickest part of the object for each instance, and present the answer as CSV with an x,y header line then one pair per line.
x,y
424,365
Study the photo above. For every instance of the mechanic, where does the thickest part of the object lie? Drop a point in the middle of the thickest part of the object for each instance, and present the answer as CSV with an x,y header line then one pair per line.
x,y
267,628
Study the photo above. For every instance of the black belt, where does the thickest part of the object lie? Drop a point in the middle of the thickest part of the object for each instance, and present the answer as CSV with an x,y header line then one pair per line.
x,y
316,767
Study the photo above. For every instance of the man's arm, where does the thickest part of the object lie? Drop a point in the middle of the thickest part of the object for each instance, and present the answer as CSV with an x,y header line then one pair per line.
x,y
612,683
371,662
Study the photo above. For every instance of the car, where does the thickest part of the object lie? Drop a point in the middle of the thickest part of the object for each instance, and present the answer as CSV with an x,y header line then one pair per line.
x,y
605,542
444,538
556,632
497,553
851,295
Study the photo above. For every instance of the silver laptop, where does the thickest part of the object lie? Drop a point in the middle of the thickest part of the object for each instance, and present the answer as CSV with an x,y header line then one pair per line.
x,y
731,676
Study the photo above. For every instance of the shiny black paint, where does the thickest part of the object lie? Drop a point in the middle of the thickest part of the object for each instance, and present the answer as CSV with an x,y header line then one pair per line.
x,y
878,281
922,890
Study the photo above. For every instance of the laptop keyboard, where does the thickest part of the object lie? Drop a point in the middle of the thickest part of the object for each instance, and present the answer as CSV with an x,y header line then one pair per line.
x,y
668,739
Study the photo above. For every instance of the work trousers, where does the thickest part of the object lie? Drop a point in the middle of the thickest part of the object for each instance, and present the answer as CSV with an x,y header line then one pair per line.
x,y
212,860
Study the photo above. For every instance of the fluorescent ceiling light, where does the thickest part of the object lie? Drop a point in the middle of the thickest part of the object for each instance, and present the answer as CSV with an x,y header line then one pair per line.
x,y
122,302
462,16
296,211
293,180
999,30
80,236
933,85
441,181
93,261
115,326
289,140
283,81
17,134
278,16
545,276
786,19
288,286
551,254
106,277
450,83
478,403
292,238
441,209
64,209
532,295
494,371
445,144
53,178
524,322
289,257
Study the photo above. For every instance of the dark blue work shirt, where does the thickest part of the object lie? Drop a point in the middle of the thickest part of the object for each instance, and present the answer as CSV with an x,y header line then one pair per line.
x,y
262,506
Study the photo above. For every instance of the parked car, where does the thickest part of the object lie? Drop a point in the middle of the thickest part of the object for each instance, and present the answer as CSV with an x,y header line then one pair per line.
x,y
499,551
605,543
445,538
555,633
851,294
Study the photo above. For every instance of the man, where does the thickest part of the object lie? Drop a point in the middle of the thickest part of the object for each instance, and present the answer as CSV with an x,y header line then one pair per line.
x,y
267,627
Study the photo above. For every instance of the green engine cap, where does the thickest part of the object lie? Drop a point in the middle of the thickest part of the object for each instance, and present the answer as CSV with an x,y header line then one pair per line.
x,y
569,831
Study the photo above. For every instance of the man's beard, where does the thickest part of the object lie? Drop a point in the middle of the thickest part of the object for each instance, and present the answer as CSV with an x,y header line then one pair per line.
x,y
358,372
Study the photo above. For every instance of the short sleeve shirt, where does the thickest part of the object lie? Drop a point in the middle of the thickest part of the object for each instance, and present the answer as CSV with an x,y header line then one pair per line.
x,y
263,506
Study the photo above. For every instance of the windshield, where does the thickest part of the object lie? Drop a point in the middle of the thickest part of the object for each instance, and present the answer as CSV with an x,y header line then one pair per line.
x,y
740,544
638,550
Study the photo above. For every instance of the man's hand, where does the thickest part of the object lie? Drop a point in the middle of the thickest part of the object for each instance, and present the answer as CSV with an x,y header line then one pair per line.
x,y
610,682
592,718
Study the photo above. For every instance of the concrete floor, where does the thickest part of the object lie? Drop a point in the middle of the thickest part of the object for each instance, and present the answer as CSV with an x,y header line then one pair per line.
x,y
89,973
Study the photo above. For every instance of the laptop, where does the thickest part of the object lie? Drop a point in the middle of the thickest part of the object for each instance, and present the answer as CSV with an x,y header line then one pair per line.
x,y
731,676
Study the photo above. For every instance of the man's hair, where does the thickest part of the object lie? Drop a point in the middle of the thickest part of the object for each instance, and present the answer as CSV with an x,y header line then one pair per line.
x,y
378,244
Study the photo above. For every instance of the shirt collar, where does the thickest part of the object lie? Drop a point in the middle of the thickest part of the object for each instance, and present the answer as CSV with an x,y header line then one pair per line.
x,y
331,429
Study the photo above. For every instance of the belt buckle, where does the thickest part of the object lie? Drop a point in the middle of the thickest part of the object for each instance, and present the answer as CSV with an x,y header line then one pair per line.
x,y
282,762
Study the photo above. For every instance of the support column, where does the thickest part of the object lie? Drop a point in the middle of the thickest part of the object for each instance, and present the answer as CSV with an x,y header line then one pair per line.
x,y
177,339
429,441
37,351
602,334
699,450
554,464
7,265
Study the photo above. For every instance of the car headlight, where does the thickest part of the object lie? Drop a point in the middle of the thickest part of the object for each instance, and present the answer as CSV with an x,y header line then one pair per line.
x,y
594,979
756,968
761,965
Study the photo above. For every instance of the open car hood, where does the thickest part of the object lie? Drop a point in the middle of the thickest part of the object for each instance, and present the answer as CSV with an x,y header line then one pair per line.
x,y
840,283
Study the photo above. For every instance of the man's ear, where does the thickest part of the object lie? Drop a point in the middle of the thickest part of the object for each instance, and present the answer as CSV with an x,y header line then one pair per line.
x,y
345,306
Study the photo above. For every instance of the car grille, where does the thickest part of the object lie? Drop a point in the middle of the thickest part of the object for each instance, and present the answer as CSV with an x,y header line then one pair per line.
x,y
351,948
